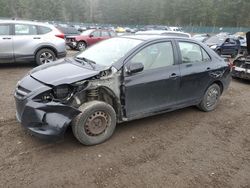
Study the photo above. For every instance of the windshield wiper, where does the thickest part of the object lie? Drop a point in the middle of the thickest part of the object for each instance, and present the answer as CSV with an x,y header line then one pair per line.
x,y
83,59
79,60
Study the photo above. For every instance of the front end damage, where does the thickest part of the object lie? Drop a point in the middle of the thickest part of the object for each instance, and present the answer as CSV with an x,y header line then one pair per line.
x,y
46,110
241,68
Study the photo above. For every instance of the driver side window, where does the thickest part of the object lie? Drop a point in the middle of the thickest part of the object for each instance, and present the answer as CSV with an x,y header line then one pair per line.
x,y
155,56
96,34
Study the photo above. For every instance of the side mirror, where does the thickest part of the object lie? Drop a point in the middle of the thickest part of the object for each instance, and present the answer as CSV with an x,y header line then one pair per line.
x,y
91,35
135,67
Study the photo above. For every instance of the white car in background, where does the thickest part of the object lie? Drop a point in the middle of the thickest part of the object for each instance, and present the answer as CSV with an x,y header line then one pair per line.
x,y
164,32
27,41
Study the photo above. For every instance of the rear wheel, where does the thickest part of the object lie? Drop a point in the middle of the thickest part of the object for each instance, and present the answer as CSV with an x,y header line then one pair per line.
x,y
45,56
95,124
211,98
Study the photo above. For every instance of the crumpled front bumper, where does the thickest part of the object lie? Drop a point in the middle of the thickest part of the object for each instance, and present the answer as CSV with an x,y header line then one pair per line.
x,y
45,120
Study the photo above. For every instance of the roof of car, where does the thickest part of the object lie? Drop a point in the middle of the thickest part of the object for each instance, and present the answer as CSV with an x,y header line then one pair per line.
x,y
24,22
152,37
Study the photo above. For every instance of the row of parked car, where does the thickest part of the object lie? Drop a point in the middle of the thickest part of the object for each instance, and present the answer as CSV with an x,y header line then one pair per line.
x,y
26,41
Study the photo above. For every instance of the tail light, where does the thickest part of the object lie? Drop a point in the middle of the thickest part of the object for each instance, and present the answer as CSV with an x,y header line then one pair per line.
x,y
60,34
229,62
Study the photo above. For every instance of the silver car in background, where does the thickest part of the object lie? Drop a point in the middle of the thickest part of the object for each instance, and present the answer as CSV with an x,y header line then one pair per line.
x,y
27,41
165,33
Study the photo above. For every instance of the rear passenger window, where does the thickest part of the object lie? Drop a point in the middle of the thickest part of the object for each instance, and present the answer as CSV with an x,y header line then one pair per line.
x,y
44,30
25,29
205,56
191,52
112,34
4,30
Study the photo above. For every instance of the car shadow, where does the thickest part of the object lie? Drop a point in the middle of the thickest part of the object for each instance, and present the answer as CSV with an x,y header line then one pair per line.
x,y
240,80
17,65
134,125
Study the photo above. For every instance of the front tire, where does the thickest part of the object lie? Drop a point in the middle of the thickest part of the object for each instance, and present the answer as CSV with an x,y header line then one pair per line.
x,y
211,98
95,124
81,46
44,56
218,52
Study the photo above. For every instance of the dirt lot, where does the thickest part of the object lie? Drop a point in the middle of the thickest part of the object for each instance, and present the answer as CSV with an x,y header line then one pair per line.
x,y
185,148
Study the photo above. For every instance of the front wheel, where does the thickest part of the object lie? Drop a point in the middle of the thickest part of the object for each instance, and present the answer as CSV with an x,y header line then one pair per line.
x,y
81,46
211,98
95,124
218,52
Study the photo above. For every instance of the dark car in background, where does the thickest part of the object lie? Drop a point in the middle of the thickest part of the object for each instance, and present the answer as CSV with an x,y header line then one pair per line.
x,y
224,45
117,80
88,38
68,30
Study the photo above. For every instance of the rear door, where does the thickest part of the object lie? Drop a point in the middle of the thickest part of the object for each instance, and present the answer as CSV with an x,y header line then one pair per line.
x,y
156,87
195,66
6,44
25,41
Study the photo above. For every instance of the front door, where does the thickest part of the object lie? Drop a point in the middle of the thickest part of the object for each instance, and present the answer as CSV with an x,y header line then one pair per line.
x,y
95,37
229,47
6,44
156,87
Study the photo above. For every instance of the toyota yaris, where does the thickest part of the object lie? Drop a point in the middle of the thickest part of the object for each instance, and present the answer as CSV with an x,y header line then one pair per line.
x,y
118,80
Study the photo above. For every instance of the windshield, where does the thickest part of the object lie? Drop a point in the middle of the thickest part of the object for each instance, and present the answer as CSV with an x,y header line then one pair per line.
x,y
215,40
109,51
88,32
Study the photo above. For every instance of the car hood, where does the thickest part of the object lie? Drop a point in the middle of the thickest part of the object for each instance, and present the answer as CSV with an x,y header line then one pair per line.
x,y
62,72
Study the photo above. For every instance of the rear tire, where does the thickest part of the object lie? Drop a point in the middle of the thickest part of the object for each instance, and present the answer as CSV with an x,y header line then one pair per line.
x,y
95,124
211,98
44,56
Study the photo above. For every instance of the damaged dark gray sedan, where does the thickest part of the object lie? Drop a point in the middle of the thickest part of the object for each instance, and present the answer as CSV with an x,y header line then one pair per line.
x,y
117,80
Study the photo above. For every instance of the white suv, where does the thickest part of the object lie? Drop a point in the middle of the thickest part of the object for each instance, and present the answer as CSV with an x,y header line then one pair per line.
x,y
26,41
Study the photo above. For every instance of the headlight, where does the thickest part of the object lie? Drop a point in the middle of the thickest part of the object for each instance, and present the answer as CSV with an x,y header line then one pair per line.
x,y
62,92
213,47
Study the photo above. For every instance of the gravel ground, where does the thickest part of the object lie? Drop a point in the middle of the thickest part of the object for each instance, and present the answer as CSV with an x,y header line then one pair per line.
x,y
185,148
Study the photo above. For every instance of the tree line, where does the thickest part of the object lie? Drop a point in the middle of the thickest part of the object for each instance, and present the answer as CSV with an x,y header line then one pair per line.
x,y
232,13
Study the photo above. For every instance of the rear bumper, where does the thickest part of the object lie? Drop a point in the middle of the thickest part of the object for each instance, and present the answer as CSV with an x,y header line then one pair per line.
x,y
44,120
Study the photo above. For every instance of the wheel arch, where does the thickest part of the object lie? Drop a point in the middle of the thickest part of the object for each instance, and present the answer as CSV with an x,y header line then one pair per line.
x,y
220,84
105,94
47,47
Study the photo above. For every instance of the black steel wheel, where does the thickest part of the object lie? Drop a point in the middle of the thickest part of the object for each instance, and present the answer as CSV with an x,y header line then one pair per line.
x,y
211,98
95,124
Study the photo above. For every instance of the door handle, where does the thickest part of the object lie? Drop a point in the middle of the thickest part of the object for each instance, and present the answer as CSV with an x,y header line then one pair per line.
x,y
208,68
36,38
6,38
173,76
